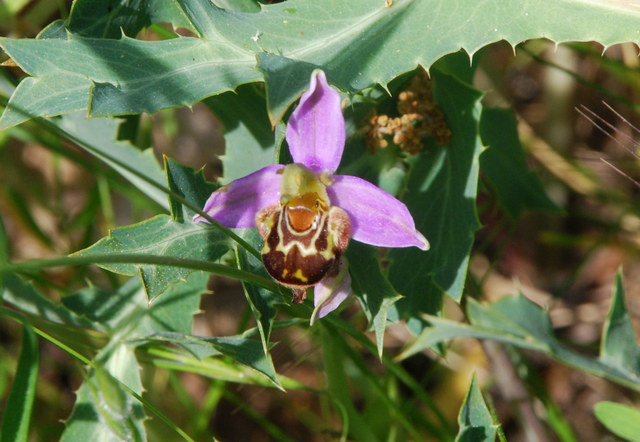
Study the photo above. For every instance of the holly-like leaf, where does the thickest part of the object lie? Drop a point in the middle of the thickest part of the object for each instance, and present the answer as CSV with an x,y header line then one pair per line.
x,y
23,297
98,136
373,289
248,352
475,420
518,321
120,76
504,165
250,143
385,39
160,236
104,409
382,39
104,406
190,185
619,346
113,18
127,310
441,194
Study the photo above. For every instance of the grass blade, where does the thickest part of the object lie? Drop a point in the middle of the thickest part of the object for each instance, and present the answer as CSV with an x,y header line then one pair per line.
x,y
15,423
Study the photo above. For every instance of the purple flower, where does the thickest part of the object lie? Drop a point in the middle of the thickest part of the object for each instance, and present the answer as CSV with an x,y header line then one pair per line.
x,y
306,214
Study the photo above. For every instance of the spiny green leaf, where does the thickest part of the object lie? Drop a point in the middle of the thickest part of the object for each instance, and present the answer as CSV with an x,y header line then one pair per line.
x,y
518,321
475,420
98,136
107,307
504,165
127,312
17,410
104,410
112,18
383,39
619,345
190,185
120,76
620,419
22,296
245,351
249,140
160,236
374,291
441,196
174,309
387,39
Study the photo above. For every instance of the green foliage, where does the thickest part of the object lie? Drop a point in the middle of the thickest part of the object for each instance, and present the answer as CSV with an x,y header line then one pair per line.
x,y
15,420
441,193
98,136
244,351
373,289
475,419
114,18
619,347
518,321
187,185
104,408
261,301
248,63
250,141
164,237
108,76
622,420
504,165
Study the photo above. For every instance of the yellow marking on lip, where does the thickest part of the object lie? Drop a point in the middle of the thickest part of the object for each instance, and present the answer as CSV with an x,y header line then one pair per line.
x,y
299,274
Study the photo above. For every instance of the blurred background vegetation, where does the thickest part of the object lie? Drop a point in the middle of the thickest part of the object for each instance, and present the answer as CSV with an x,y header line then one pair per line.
x,y
55,199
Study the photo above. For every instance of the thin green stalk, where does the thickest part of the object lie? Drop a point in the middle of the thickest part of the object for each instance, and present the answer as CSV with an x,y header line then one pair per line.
x,y
218,269
105,201
214,368
265,423
397,371
382,393
209,405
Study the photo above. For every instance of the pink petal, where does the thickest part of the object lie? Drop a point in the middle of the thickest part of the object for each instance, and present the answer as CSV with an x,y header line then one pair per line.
x,y
377,218
316,131
329,293
236,204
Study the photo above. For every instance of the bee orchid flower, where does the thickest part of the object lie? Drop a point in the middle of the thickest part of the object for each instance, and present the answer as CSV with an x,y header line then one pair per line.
x,y
306,214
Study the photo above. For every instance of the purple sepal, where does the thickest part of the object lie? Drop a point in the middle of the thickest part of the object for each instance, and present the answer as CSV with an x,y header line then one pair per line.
x,y
377,218
236,204
316,129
